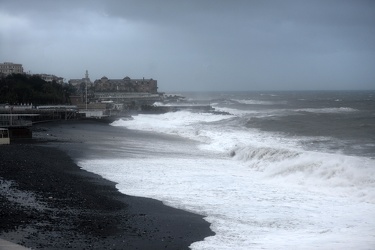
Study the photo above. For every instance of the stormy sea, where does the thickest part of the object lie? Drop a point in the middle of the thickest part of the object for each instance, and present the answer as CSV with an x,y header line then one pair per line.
x,y
268,170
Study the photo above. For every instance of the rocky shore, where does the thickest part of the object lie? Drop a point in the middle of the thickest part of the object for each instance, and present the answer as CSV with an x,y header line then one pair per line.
x,y
48,202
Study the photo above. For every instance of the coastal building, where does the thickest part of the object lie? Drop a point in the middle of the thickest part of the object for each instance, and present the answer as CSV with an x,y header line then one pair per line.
x,y
128,98
51,78
113,95
8,68
81,82
126,85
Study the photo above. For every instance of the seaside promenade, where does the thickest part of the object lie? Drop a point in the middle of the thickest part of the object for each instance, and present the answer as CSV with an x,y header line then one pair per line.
x,y
18,120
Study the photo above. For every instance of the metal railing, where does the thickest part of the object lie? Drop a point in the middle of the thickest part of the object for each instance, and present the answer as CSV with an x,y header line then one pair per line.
x,y
7,120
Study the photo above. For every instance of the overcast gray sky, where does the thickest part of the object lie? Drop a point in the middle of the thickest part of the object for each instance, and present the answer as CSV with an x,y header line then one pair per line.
x,y
198,44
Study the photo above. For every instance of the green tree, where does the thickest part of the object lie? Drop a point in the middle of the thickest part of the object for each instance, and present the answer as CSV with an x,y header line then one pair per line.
x,y
20,88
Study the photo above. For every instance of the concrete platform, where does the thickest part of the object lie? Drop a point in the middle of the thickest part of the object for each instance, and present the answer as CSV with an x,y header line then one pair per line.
x,y
7,245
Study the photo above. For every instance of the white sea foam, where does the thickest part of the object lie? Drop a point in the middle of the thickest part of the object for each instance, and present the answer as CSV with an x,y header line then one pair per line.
x,y
246,211
346,176
233,111
328,110
161,104
275,156
254,102
182,123
258,190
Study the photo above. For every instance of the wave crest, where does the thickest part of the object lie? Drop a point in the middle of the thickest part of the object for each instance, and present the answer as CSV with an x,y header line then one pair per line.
x,y
328,110
266,154
257,102
313,170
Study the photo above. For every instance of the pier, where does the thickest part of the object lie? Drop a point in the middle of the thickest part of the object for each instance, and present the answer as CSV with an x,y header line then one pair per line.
x,y
18,120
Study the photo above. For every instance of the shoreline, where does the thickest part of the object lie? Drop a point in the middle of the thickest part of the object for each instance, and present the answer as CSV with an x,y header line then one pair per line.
x,y
49,197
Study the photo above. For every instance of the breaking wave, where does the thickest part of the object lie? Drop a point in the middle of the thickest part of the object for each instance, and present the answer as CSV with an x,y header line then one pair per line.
x,y
276,158
340,174
255,102
327,110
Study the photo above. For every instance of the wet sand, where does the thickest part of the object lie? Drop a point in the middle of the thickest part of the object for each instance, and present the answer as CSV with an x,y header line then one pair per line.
x,y
48,202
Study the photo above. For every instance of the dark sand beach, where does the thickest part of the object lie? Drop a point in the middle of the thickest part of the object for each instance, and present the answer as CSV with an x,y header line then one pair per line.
x,y
48,202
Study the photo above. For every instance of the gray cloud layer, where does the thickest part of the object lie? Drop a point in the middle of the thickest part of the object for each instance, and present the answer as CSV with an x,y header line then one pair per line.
x,y
197,45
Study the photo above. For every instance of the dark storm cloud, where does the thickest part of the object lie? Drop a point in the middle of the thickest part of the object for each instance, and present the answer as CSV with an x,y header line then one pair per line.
x,y
198,45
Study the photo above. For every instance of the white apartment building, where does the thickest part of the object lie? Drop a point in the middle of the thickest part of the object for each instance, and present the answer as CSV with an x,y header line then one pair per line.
x,y
8,68
51,78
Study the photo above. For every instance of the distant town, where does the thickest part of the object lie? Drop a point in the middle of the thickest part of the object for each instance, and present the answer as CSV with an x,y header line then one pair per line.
x,y
124,91
27,98
101,96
